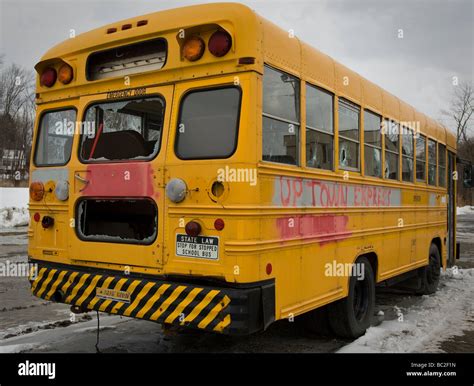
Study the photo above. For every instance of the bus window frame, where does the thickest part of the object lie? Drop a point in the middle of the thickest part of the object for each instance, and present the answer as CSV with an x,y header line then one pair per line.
x,y
380,148
358,141
425,172
385,150
96,102
309,127
180,111
38,135
300,163
428,163
438,144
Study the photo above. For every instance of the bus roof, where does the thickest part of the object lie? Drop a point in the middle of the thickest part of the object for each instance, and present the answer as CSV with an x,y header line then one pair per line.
x,y
278,48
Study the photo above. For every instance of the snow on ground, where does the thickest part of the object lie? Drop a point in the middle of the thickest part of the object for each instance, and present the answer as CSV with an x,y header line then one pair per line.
x,y
13,207
465,210
14,217
421,327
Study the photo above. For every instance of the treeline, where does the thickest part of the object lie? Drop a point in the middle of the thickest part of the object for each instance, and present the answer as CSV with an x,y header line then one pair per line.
x,y
17,114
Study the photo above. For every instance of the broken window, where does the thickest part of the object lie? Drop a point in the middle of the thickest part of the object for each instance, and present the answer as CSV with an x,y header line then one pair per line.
x,y
420,158
123,130
431,162
134,58
281,117
441,165
319,128
55,135
373,144
349,115
392,134
407,154
117,221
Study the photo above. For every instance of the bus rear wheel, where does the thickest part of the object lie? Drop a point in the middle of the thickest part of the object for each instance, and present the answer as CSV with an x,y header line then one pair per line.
x,y
350,317
430,274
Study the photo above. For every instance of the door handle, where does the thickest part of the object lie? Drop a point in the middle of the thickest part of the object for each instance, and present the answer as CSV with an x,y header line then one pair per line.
x,y
83,180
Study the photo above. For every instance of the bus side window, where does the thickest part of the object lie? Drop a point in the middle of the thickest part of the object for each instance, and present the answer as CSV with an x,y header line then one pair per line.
x,y
319,128
392,136
420,158
431,162
441,165
349,135
373,144
281,112
407,154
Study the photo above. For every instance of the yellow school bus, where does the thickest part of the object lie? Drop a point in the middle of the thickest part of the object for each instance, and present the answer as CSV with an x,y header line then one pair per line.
x,y
201,167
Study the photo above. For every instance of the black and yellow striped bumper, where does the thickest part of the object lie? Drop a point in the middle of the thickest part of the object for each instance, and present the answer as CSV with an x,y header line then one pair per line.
x,y
233,311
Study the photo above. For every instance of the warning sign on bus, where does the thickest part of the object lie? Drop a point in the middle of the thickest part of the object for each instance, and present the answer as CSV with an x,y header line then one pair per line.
x,y
203,247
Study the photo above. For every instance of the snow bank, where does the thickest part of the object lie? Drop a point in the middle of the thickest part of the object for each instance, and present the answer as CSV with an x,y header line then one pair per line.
x,y
420,328
13,207
14,197
14,217
465,210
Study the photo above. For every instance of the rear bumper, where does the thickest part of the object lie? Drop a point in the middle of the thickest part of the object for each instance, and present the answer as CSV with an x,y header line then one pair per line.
x,y
233,311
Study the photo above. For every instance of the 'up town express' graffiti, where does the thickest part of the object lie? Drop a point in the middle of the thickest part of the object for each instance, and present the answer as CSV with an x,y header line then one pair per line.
x,y
298,192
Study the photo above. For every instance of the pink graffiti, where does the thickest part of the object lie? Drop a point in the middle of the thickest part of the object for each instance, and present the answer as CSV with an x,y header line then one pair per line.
x,y
296,191
324,227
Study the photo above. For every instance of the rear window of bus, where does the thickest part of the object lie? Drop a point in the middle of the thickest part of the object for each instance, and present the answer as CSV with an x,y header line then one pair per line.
x,y
55,135
123,130
208,123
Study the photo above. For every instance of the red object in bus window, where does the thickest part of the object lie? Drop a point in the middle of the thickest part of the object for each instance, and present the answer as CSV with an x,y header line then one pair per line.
x,y
99,131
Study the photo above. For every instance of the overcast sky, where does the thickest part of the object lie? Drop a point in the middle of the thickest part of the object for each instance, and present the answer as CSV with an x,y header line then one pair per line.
x,y
437,43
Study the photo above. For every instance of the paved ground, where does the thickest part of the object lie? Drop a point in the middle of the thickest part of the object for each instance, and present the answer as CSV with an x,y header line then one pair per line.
x,y
28,324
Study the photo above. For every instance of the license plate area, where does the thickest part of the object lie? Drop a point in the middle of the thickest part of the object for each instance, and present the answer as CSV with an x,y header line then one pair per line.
x,y
199,247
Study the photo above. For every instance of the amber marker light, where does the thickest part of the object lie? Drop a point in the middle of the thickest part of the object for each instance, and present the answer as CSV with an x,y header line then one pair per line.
x,y
36,191
193,48
65,74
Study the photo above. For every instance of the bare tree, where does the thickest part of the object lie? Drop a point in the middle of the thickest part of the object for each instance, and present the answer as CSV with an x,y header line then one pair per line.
x,y
461,111
17,111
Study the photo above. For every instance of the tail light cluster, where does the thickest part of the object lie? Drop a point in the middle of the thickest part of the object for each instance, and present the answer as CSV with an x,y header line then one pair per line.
x,y
49,75
219,44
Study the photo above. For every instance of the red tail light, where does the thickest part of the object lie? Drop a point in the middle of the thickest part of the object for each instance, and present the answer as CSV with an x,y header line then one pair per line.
x,y
48,77
220,43
37,217
192,228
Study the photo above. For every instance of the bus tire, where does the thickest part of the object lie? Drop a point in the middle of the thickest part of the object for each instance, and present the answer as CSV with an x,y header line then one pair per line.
x,y
351,317
429,274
